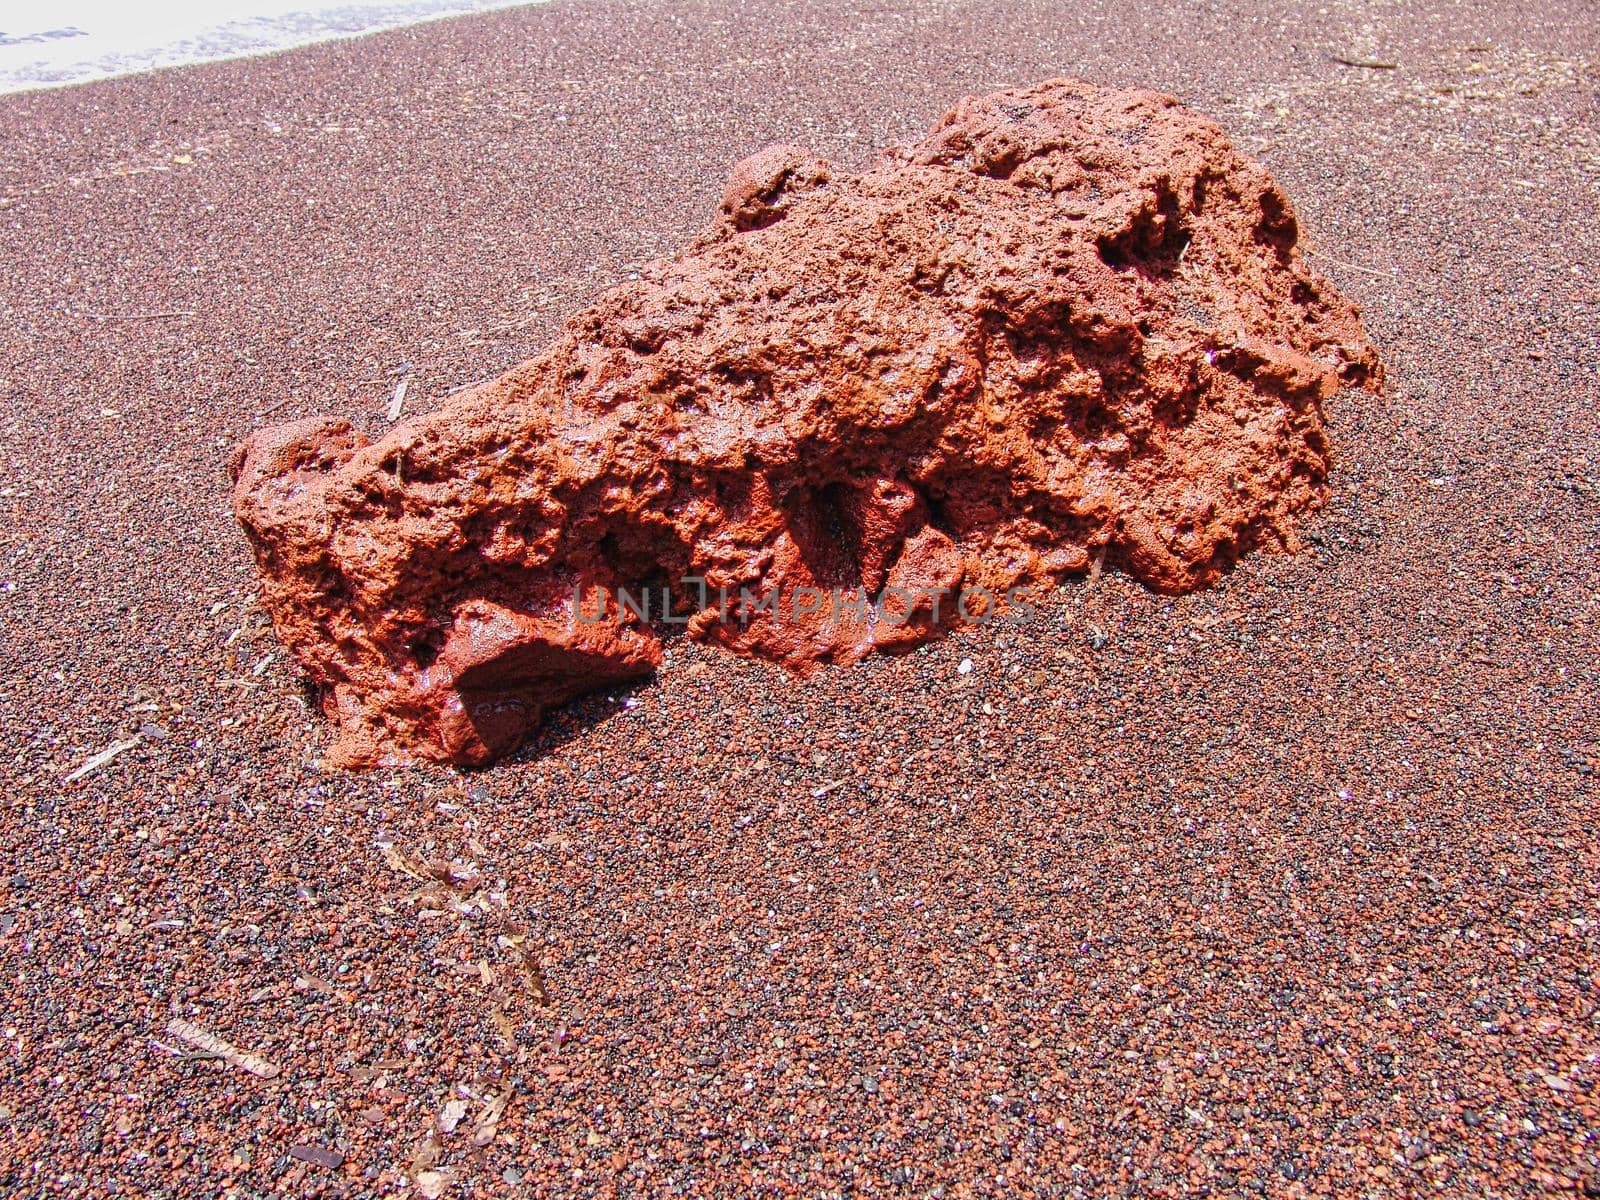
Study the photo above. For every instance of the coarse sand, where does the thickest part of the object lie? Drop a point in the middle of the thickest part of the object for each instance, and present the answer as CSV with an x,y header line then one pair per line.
x,y
1286,887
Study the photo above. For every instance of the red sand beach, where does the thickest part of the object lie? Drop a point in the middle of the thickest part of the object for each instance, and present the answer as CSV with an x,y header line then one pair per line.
x,y
1286,887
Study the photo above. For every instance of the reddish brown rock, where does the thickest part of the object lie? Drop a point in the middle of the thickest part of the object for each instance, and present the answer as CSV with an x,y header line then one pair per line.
x,y
1071,322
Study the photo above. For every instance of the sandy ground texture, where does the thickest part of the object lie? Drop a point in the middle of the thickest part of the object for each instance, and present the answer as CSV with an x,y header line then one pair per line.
x,y
1284,888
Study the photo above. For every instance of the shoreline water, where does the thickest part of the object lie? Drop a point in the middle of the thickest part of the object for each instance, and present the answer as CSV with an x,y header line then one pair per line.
x,y
82,41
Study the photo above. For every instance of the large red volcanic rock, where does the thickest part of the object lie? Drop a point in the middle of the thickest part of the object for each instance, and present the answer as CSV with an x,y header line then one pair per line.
x,y
1071,322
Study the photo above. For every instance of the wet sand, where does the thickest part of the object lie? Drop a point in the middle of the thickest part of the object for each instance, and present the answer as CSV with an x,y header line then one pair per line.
x,y
1286,887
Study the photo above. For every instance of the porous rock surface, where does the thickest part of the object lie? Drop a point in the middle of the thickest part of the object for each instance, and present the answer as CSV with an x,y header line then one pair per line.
x,y
1070,325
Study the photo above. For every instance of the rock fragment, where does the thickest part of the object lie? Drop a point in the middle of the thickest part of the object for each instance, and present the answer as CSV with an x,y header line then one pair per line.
x,y
1070,326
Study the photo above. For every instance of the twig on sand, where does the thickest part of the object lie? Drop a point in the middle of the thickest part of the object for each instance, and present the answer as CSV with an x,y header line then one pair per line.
x,y
180,1053
211,1044
144,316
1353,266
267,412
397,405
101,759
1371,64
